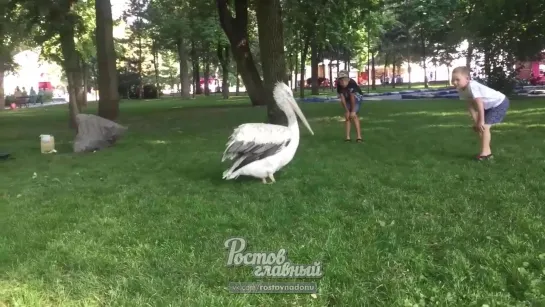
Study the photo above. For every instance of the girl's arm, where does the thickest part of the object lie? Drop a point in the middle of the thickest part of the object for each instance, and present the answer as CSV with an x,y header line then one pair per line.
x,y
343,103
352,101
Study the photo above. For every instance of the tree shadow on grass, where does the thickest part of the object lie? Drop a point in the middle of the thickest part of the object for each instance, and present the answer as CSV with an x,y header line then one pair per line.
x,y
211,173
218,107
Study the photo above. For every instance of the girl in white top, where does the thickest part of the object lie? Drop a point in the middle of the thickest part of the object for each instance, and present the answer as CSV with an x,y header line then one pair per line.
x,y
486,106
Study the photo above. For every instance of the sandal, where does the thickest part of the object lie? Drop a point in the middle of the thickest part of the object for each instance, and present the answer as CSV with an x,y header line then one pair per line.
x,y
348,140
359,141
482,158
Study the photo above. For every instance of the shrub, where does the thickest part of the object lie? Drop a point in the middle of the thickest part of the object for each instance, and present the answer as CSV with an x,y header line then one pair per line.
x,y
48,96
9,100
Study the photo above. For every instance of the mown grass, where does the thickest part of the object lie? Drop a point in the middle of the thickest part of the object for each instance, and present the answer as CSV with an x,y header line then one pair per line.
x,y
326,91
406,219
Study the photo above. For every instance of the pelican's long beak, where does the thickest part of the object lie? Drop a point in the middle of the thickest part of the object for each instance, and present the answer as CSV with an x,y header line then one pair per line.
x,y
299,113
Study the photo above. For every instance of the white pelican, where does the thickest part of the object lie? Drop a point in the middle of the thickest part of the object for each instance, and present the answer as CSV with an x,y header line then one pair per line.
x,y
260,150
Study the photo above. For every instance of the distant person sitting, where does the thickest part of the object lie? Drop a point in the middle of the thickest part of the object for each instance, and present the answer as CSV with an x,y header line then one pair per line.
x,y
32,95
40,98
17,92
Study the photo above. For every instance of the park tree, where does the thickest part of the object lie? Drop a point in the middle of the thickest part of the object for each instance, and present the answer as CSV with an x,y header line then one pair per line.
x,y
136,16
236,30
428,21
206,35
60,23
108,105
168,70
330,30
271,47
12,40
504,32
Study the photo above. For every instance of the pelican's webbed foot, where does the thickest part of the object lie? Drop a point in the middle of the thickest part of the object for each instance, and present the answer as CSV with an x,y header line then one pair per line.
x,y
264,180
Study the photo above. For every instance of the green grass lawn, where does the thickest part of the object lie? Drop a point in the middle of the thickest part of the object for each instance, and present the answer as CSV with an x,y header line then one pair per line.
x,y
378,89
404,219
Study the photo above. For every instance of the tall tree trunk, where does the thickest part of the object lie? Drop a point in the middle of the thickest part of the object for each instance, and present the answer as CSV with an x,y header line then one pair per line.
x,y
296,69
85,75
2,97
393,78
423,45
487,64
197,90
108,104
225,81
140,72
183,58
469,54
409,69
373,72
196,79
71,67
236,30
79,80
304,54
385,73
223,57
330,75
197,76
237,89
271,47
206,76
314,67
156,67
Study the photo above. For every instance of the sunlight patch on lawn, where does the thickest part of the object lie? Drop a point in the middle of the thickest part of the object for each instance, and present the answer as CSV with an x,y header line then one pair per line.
x,y
445,126
527,111
429,113
510,125
155,142
27,295
329,119
383,121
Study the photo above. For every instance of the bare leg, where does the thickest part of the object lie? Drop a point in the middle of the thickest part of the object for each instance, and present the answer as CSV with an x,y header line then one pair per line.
x,y
347,128
271,177
357,124
485,141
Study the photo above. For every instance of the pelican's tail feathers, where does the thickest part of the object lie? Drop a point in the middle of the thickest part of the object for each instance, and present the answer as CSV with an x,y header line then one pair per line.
x,y
231,173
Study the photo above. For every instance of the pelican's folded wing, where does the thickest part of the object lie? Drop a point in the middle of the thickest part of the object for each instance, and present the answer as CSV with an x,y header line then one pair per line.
x,y
256,140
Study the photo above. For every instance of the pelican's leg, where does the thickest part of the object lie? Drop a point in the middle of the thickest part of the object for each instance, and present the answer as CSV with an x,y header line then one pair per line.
x,y
271,177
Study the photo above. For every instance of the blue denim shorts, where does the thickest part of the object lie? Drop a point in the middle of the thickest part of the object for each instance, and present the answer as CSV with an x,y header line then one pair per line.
x,y
495,115
359,99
